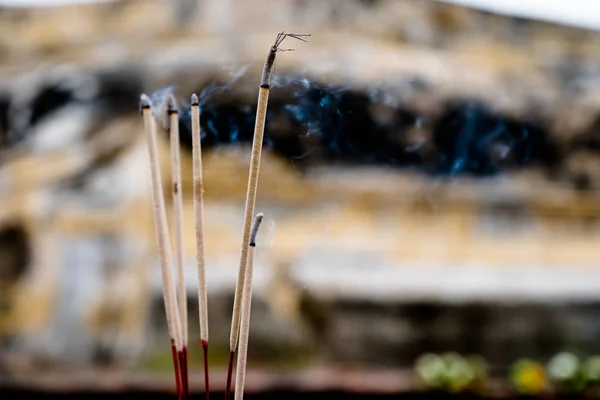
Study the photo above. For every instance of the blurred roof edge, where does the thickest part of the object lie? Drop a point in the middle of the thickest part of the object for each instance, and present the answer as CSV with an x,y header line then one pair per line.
x,y
577,13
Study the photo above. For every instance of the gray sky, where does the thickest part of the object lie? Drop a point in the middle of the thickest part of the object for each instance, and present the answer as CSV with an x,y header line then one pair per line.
x,y
581,13
29,3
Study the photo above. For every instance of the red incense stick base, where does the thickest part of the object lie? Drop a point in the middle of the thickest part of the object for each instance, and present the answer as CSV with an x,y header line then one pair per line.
x,y
182,356
229,374
177,370
206,381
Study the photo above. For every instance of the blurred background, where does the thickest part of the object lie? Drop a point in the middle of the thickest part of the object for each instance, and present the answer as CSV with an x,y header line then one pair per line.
x,y
430,184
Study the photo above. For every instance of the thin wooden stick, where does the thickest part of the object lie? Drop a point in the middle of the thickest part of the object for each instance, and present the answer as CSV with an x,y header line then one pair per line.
x,y
173,128
199,223
162,233
259,128
240,373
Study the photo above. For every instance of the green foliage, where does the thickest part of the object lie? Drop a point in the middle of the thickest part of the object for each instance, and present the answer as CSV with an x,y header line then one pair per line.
x,y
591,370
454,373
528,376
566,372
431,370
450,372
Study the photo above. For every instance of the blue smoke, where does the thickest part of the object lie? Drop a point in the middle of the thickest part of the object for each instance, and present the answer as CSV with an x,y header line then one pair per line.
x,y
315,123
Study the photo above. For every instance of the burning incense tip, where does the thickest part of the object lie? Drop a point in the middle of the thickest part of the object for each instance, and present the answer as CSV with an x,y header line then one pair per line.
x,y
265,81
195,100
145,101
257,221
171,105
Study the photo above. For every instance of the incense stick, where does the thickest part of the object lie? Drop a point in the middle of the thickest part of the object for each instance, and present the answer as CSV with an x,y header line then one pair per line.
x,y
257,141
240,373
199,223
162,233
173,128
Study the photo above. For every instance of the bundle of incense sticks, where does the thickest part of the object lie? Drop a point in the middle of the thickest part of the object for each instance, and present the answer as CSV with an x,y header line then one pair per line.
x,y
174,292
164,244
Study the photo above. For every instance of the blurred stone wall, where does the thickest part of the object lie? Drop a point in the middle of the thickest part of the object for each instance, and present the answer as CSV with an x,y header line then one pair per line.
x,y
347,255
